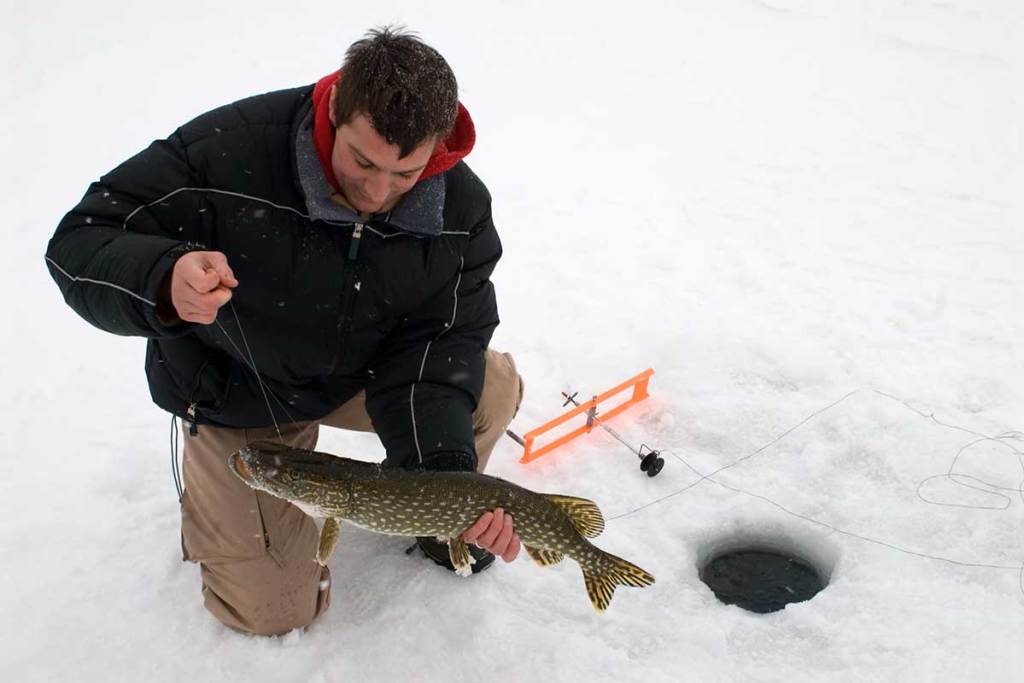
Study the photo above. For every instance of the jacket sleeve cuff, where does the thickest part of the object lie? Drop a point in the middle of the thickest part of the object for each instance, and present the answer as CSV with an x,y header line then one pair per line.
x,y
450,461
165,325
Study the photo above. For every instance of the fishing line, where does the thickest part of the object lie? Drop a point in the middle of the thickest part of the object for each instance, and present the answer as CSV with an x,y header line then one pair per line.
x,y
955,478
250,362
264,387
252,365
738,460
950,475
174,457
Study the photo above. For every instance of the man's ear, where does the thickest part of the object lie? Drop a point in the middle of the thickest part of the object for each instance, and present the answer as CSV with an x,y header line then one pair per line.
x,y
330,108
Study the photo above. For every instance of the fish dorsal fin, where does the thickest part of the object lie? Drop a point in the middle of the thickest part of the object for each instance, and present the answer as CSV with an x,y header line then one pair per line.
x,y
544,558
585,515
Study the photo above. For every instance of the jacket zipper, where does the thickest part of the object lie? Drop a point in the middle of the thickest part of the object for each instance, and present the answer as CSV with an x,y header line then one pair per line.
x,y
346,324
193,406
190,419
353,246
349,295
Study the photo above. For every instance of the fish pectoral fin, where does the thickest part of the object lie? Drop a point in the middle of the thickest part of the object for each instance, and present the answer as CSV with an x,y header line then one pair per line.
x,y
458,553
328,539
544,558
584,514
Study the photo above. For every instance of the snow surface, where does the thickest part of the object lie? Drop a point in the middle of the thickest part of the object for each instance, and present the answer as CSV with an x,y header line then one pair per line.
x,y
780,205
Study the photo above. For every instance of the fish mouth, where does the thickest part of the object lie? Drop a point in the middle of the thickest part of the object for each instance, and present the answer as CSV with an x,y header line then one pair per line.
x,y
237,464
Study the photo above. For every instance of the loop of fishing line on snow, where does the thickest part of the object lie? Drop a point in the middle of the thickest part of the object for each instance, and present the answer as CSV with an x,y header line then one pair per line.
x,y
950,475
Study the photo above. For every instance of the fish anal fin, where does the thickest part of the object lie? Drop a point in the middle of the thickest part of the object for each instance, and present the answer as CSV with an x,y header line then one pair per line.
x,y
328,539
544,558
458,553
584,514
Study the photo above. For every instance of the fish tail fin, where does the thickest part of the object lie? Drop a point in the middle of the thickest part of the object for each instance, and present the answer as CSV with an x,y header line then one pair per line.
x,y
614,571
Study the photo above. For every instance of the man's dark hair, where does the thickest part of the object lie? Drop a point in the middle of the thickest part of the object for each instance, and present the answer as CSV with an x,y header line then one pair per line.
x,y
402,85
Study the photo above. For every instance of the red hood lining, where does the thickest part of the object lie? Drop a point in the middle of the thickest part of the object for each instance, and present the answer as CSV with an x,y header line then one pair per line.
x,y
448,152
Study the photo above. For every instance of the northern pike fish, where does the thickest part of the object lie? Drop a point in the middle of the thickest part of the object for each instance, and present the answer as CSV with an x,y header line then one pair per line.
x,y
428,503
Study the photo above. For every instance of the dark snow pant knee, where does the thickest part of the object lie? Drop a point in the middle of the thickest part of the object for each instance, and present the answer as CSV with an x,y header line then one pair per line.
x,y
257,552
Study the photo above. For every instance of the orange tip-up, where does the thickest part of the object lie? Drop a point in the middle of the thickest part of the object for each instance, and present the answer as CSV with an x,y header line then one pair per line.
x,y
588,408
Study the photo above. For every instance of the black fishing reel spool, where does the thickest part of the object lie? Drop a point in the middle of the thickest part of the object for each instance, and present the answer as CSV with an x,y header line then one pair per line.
x,y
652,462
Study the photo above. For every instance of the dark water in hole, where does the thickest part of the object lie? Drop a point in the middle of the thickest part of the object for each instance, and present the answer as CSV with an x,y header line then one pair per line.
x,y
760,581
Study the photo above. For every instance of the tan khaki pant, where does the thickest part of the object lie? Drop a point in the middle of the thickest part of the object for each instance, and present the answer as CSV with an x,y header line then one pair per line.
x,y
257,552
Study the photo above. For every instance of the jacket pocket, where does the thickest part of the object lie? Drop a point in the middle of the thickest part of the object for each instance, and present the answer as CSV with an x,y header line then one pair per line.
x,y
210,387
183,373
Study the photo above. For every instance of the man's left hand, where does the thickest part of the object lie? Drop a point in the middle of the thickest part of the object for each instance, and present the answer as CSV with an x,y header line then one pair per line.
x,y
495,533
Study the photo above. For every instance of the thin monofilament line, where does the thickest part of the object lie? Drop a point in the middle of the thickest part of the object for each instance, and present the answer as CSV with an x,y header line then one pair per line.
x,y
252,366
950,474
839,530
738,460
953,476
990,488
178,484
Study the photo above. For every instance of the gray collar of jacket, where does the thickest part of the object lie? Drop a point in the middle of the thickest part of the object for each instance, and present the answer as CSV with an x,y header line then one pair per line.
x,y
419,211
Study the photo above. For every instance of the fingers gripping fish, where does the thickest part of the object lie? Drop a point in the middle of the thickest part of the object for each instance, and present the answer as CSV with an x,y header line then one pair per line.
x,y
428,503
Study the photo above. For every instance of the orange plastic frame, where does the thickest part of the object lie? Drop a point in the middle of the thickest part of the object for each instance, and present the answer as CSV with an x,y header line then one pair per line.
x,y
639,385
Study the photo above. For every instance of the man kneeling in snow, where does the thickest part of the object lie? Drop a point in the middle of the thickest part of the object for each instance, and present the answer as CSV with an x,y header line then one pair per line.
x,y
355,247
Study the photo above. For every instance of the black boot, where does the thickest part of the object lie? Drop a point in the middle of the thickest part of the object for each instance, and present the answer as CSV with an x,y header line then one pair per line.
x,y
438,552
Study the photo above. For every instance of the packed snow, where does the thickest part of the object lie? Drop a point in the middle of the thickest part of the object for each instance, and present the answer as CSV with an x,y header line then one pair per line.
x,y
804,215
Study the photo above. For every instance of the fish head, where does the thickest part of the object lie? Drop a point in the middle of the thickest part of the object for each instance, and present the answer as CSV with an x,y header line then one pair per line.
x,y
305,478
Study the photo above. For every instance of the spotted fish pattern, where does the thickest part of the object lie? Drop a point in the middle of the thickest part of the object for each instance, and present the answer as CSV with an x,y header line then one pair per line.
x,y
442,504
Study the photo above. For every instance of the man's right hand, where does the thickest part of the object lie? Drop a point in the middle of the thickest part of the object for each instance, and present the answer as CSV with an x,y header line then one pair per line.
x,y
201,283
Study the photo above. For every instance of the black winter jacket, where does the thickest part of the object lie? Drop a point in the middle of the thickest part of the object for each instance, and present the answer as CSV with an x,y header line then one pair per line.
x,y
400,305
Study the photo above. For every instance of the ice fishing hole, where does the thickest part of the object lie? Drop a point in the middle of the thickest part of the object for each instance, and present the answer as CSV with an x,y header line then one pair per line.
x,y
765,572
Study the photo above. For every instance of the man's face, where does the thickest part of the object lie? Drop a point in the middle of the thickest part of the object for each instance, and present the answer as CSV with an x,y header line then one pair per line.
x,y
368,169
